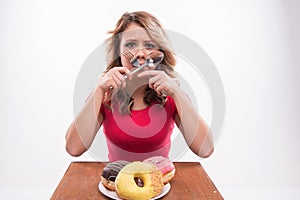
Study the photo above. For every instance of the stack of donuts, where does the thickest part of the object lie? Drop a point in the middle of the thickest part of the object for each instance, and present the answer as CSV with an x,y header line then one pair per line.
x,y
138,180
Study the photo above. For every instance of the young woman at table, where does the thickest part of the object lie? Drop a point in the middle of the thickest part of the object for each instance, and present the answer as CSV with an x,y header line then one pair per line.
x,y
138,111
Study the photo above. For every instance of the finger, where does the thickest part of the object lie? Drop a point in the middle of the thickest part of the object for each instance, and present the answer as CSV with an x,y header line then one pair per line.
x,y
117,75
112,85
157,83
148,73
125,73
116,80
124,70
154,80
121,79
161,90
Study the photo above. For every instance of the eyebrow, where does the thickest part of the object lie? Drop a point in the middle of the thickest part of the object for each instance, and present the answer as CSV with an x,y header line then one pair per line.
x,y
134,40
149,41
130,40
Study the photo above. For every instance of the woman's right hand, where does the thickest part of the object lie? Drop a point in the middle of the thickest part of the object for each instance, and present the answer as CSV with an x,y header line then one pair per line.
x,y
114,78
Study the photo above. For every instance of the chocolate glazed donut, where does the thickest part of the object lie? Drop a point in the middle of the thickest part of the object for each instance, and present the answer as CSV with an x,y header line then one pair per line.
x,y
110,173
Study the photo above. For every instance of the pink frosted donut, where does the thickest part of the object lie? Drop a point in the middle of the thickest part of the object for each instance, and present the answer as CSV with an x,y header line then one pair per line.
x,y
166,167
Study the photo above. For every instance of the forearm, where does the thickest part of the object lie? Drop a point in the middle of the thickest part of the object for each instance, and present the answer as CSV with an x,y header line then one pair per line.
x,y
194,129
83,129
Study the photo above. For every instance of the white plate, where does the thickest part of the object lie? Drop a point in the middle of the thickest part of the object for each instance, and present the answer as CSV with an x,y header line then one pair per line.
x,y
114,195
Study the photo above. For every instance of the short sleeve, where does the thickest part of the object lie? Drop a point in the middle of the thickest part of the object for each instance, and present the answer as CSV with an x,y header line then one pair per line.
x,y
171,106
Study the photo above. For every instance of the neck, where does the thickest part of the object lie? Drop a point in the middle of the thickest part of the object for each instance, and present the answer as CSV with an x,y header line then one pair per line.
x,y
138,98
139,93
136,89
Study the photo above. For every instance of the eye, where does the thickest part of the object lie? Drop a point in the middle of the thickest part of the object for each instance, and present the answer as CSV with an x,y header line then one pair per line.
x,y
130,45
150,45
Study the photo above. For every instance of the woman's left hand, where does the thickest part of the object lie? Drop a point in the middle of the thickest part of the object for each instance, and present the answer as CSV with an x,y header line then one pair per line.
x,y
161,82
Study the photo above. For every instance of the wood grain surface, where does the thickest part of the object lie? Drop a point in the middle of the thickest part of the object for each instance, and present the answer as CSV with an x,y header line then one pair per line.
x,y
81,180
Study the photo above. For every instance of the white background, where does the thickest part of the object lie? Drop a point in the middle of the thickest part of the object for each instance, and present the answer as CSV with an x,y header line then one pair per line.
x,y
254,44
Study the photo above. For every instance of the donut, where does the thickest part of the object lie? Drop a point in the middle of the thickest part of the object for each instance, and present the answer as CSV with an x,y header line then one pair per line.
x,y
138,181
110,172
166,167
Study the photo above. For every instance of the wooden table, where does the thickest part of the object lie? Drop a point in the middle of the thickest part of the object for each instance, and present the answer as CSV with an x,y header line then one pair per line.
x,y
82,178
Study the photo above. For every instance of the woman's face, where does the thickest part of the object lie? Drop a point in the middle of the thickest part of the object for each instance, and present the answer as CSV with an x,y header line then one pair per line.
x,y
136,40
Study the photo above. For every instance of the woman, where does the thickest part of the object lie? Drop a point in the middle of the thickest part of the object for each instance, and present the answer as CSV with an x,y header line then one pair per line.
x,y
138,110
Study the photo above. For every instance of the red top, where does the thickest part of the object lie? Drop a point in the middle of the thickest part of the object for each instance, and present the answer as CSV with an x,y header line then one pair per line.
x,y
141,134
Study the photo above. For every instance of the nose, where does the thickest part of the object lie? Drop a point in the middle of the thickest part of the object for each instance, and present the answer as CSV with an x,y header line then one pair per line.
x,y
141,56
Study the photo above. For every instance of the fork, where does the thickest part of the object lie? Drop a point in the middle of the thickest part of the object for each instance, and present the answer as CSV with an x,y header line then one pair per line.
x,y
153,59
133,60
128,55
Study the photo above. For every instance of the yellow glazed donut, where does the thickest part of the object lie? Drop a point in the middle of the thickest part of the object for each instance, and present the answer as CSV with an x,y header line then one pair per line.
x,y
139,181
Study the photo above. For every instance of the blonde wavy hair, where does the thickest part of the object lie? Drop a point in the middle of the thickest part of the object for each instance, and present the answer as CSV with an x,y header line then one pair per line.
x,y
155,30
